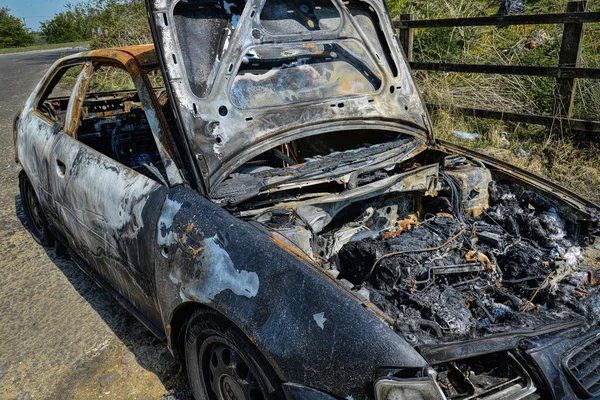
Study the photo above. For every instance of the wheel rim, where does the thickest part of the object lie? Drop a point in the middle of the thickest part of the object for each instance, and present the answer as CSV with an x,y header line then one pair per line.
x,y
33,209
227,375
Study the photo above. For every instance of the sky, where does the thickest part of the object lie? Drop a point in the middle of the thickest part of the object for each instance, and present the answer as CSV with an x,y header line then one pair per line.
x,y
34,11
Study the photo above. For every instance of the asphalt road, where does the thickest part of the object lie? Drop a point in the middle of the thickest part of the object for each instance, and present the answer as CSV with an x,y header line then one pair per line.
x,y
60,335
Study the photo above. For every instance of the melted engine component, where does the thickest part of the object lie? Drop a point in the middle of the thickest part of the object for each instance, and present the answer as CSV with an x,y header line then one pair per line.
x,y
468,258
512,268
494,376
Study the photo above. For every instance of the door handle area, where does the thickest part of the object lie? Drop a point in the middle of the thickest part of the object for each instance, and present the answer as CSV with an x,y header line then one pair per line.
x,y
61,168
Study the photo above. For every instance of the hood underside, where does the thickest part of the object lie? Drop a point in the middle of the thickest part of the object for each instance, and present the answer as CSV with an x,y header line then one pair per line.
x,y
244,76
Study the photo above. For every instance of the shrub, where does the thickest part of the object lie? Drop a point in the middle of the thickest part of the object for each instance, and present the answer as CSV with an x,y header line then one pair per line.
x,y
122,23
13,32
106,23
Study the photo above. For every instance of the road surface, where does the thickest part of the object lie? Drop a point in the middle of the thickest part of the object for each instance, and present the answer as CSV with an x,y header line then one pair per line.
x,y
60,335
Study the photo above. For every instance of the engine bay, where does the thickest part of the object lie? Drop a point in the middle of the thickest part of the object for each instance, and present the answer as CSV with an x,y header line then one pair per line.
x,y
445,247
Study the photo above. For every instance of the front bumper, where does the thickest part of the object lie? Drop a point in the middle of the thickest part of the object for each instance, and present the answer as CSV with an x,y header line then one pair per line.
x,y
553,366
558,364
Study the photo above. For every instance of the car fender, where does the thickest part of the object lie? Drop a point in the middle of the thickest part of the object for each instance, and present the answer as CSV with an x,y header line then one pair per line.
x,y
311,331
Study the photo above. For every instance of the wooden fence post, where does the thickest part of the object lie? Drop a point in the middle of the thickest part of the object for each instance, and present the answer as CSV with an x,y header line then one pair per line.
x,y
406,36
570,53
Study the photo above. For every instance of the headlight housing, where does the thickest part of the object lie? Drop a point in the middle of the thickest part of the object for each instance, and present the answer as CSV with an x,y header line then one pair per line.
x,y
489,377
426,388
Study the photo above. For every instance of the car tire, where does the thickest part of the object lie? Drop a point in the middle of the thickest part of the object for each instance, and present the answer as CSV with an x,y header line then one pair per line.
x,y
34,215
223,364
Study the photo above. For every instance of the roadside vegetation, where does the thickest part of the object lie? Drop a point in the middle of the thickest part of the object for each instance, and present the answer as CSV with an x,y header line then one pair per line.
x,y
570,160
13,32
105,23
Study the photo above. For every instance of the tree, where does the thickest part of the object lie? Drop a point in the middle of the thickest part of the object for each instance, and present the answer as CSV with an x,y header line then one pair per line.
x,y
108,23
13,32
122,23
71,25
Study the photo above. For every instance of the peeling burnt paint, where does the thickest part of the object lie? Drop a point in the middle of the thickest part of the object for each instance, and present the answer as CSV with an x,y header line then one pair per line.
x,y
214,273
320,319
273,292
166,236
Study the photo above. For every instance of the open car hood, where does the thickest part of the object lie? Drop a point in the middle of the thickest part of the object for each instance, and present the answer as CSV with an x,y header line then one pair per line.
x,y
246,76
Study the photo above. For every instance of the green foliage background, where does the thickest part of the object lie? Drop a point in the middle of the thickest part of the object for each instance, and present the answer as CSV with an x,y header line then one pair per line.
x,y
514,45
107,23
13,32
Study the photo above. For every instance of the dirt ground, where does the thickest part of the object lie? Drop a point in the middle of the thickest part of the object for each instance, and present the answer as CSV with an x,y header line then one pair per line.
x,y
61,336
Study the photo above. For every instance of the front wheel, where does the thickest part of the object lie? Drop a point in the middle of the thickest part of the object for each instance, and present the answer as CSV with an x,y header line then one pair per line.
x,y
223,364
36,220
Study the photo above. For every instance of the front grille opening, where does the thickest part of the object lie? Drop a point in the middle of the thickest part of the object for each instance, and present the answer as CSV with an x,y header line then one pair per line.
x,y
583,366
494,376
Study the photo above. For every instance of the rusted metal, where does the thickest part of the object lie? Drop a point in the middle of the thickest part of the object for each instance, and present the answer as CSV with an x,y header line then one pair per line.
x,y
145,55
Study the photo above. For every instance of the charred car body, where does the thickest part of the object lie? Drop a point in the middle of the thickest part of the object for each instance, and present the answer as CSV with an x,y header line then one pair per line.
x,y
282,215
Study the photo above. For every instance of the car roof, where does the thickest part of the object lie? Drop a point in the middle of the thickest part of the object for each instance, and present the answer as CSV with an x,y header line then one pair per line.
x,y
144,54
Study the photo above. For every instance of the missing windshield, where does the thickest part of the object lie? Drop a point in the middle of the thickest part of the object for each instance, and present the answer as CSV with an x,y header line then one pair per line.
x,y
278,75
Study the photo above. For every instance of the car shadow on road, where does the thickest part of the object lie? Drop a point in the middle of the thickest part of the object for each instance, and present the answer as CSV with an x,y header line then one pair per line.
x,y
150,352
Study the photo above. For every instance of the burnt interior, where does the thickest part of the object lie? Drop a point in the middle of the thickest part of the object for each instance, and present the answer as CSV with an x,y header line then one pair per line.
x,y
115,125
119,129
445,247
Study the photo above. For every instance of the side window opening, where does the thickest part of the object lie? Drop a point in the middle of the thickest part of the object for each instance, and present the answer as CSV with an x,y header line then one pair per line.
x,y
114,123
55,100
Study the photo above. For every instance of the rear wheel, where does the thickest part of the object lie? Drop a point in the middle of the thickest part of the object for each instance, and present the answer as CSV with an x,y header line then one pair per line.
x,y
223,364
36,220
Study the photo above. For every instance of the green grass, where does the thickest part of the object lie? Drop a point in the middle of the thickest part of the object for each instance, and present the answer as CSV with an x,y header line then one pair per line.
x,y
568,159
46,46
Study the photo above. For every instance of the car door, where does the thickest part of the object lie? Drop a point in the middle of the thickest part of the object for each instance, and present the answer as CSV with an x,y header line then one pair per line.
x,y
109,210
39,127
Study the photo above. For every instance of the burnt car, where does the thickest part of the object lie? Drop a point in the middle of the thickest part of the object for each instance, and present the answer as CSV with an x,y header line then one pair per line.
x,y
282,215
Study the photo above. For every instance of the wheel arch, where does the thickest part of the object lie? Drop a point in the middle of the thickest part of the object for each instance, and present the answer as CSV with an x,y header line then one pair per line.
x,y
277,300
177,326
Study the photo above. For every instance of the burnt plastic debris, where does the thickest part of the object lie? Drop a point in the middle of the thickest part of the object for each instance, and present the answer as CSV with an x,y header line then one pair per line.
x,y
513,268
512,7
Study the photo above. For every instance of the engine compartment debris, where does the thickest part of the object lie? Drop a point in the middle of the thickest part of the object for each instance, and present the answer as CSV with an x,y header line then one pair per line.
x,y
439,243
